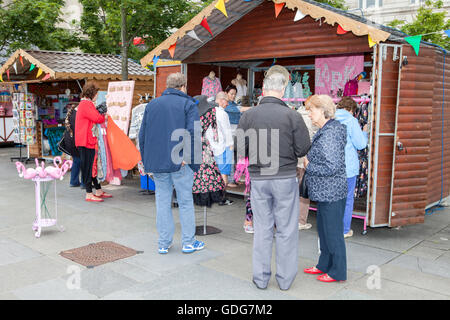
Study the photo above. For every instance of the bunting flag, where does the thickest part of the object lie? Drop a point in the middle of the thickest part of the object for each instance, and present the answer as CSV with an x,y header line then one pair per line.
x,y
341,30
21,60
371,42
299,15
15,66
193,35
7,73
155,60
172,49
447,32
47,76
32,67
278,8
1,77
414,41
205,25
220,5
39,73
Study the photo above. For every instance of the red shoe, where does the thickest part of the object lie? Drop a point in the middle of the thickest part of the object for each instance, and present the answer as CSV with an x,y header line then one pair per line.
x,y
327,278
312,270
104,195
94,200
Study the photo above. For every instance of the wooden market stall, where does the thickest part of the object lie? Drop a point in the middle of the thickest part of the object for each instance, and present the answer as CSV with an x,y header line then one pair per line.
x,y
55,79
408,110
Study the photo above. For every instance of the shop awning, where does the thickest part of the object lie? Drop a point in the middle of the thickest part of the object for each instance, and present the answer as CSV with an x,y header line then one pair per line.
x,y
192,36
51,65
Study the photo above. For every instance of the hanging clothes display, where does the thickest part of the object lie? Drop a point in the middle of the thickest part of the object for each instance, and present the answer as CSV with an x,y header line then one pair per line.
x,y
211,86
208,184
362,115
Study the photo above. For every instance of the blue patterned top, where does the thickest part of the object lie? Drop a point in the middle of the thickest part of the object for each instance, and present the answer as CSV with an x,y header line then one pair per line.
x,y
233,112
325,174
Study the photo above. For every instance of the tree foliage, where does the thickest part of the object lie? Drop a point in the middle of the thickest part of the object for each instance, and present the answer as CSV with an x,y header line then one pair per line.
x,y
428,20
153,20
33,23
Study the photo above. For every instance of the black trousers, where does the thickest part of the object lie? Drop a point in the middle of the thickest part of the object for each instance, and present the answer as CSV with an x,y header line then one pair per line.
x,y
333,257
87,161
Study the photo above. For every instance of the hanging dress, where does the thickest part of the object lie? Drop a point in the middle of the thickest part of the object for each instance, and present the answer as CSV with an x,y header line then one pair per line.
x,y
362,115
208,183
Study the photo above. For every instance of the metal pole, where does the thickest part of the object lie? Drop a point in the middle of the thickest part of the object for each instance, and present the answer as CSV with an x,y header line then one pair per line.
x,y
204,219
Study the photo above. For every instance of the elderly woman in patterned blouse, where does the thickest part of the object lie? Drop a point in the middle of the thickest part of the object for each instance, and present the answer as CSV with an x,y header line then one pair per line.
x,y
327,185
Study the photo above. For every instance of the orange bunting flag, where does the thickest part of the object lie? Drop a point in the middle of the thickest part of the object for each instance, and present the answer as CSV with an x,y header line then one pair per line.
x,y
21,60
172,49
205,25
278,8
7,73
341,30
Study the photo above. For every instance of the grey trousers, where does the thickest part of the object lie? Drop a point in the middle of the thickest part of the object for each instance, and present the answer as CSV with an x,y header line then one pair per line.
x,y
275,202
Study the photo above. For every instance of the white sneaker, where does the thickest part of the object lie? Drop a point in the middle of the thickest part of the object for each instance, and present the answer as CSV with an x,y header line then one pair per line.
x,y
348,234
304,226
249,229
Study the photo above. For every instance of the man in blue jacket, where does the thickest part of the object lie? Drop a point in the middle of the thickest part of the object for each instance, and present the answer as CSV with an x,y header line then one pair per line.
x,y
171,149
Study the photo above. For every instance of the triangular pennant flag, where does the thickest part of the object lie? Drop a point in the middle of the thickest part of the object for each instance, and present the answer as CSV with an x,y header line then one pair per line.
x,y
21,60
447,32
414,41
32,67
371,42
7,73
155,60
16,86
205,25
15,66
1,77
299,15
220,5
341,30
47,76
172,49
278,8
39,73
193,35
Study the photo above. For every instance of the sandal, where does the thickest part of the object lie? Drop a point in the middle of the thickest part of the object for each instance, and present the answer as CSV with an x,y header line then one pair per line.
x,y
95,199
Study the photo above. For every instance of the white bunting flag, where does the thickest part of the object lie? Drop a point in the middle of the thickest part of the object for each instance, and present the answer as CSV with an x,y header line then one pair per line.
x,y
299,15
15,66
193,35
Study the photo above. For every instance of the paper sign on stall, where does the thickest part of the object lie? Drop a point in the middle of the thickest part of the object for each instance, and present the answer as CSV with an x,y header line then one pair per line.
x,y
119,100
332,73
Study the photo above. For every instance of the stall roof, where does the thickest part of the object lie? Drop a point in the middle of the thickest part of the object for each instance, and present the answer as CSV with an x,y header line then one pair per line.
x,y
71,65
237,9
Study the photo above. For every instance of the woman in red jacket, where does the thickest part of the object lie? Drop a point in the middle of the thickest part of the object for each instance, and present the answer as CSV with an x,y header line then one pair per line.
x,y
85,141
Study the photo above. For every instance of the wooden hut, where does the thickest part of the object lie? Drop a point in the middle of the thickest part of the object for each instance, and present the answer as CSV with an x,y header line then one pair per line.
x,y
51,73
409,115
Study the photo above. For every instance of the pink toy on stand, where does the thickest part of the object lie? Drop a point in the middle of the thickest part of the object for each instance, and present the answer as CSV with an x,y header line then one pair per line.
x,y
38,175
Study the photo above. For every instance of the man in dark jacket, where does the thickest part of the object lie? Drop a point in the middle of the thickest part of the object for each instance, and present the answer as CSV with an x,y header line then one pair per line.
x,y
171,149
276,137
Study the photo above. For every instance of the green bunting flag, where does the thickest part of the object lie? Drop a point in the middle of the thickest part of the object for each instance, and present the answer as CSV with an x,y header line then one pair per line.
x,y
414,41
32,67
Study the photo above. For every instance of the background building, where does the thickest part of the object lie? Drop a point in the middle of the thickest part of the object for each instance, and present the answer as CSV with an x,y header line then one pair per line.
x,y
385,11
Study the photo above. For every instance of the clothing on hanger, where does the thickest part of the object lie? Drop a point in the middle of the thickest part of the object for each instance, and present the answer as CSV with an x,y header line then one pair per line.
x,y
211,87
362,115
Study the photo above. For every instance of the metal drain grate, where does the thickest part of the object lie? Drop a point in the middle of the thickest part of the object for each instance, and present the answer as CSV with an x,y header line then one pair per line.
x,y
96,254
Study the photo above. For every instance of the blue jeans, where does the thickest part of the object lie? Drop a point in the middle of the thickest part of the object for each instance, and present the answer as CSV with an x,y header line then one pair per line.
x,y
182,180
75,172
351,184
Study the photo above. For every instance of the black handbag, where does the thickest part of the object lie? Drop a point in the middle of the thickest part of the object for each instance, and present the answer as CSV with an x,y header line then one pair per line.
x,y
62,146
303,188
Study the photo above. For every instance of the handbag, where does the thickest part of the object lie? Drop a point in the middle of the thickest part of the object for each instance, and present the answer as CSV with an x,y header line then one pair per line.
x,y
62,146
303,188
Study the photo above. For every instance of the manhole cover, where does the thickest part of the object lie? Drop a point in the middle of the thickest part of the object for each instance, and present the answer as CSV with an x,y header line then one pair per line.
x,y
96,254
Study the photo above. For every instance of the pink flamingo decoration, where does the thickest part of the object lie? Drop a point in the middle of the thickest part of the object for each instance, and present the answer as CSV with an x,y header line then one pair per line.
x,y
29,173
40,169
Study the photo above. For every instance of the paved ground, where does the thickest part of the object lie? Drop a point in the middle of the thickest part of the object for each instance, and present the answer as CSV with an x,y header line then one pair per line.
x,y
412,262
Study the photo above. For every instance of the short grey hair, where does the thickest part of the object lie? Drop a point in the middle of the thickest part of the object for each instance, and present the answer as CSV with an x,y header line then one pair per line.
x,y
275,82
176,80
322,102
222,95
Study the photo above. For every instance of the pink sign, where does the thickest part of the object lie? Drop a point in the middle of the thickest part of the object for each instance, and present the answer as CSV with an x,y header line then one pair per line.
x,y
332,73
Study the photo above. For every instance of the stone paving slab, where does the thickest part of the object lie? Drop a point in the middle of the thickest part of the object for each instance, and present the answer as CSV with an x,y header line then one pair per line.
x,y
13,252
